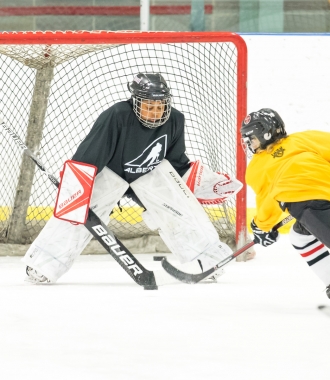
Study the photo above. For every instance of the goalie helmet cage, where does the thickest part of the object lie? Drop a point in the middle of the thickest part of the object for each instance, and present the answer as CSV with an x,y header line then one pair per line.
x,y
55,84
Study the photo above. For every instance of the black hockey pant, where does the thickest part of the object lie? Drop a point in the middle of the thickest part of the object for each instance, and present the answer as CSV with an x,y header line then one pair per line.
x,y
314,216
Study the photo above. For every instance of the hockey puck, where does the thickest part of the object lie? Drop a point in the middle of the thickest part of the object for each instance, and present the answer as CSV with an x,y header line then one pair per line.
x,y
159,258
150,287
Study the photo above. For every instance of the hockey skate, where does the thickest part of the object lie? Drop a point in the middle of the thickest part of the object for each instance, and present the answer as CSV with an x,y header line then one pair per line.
x,y
34,277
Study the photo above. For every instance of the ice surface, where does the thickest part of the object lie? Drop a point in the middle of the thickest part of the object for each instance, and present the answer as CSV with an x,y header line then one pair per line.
x,y
260,321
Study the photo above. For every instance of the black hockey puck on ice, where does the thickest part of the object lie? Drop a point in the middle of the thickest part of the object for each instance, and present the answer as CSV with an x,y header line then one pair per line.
x,y
150,287
159,258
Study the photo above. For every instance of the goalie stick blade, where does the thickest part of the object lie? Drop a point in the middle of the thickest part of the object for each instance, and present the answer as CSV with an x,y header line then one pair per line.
x,y
119,252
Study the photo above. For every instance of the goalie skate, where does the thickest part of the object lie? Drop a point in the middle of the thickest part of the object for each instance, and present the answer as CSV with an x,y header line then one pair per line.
x,y
35,277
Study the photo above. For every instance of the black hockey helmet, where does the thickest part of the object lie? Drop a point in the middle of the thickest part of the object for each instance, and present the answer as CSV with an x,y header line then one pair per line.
x,y
266,125
152,87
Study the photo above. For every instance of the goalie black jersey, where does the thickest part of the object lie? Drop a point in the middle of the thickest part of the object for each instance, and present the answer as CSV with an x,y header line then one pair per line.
x,y
119,141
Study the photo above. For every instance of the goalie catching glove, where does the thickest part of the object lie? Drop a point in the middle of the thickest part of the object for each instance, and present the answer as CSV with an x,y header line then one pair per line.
x,y
263,238
208,187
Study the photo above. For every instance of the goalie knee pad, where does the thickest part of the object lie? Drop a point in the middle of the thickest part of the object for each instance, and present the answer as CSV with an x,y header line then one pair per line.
x,y
59,243
315,253
173,210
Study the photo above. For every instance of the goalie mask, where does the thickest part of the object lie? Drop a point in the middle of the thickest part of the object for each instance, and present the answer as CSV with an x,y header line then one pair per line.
x,y
266,125
151,99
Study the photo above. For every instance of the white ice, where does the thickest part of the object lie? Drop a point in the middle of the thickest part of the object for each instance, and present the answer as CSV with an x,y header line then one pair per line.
x,y
260,322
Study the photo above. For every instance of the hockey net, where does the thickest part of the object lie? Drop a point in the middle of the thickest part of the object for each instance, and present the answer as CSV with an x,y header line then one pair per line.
x,y
55,84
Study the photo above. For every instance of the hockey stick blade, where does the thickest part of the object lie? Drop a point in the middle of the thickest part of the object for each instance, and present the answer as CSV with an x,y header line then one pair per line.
x,y
189,278
98,229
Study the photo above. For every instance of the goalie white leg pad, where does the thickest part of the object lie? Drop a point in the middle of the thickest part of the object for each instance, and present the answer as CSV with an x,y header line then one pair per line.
x,y
59,243
315,253
180,219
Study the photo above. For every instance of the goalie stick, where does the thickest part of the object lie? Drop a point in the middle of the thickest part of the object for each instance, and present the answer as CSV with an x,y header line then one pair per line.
x,y
194,278
99,230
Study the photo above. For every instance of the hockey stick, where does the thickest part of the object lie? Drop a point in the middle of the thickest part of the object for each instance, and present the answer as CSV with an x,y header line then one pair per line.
x,y
99,230
194,278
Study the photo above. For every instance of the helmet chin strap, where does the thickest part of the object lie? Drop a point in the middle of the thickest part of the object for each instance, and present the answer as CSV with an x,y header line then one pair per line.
x,y
258,150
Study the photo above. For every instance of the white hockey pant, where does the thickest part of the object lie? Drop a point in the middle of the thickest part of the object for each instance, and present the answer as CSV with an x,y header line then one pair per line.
x,y
314,252
60,243
181,221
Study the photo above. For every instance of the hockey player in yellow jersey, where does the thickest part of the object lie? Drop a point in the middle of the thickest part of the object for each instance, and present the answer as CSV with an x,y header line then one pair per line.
x,y
290,173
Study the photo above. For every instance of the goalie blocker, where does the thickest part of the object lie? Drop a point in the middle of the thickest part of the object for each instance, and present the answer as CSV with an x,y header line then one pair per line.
x,y
75,191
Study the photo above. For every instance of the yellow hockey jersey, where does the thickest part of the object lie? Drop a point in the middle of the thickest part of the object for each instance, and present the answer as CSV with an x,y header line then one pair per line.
x,y
297,169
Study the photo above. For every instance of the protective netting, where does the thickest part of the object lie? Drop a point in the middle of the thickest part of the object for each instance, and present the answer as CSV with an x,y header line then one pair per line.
x,y
87,79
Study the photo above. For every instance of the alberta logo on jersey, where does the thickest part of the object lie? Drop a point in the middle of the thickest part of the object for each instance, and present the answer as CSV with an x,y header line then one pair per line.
x,y
149,158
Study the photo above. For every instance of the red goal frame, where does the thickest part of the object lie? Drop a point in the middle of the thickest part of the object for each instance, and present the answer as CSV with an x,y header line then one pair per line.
x,y
132,37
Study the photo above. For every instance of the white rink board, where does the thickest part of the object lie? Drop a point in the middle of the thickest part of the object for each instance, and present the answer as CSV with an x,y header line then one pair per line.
x,y
291,74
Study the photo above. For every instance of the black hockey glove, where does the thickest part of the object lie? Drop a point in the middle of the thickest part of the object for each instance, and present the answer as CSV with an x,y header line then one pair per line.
x,y
262,237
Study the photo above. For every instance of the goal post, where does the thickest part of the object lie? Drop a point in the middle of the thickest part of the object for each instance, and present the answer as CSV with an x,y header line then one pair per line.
x,y
55,84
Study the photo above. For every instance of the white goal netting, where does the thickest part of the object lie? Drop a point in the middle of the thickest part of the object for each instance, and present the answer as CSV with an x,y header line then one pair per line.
x,y
52,90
